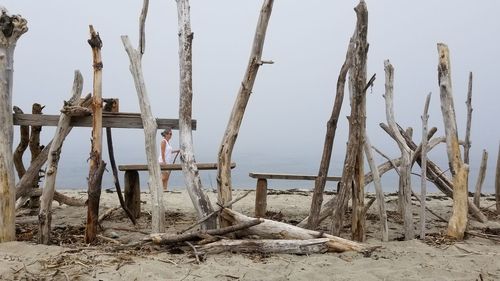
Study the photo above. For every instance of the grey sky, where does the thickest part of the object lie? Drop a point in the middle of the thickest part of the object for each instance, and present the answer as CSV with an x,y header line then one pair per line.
x,y
292,99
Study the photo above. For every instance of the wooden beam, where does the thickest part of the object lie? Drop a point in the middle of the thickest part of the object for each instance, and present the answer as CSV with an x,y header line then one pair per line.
x,y
111,120
169,167
288,177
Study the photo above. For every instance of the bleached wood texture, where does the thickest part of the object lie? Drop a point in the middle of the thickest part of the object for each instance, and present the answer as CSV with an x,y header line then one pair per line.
x,y
24,136
384,228
459,170
270,229
200,200
480,178
35,149
149,124
405,166
423,153
45,212
95,160
468,102
331,128
224,185
12,29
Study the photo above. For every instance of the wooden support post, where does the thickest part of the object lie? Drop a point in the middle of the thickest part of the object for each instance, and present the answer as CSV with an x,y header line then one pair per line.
x,y
423,182
35,149
133,193
480,178
261,198
497,182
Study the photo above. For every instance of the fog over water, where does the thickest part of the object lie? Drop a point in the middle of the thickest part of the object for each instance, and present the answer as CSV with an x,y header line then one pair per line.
x,y
284,125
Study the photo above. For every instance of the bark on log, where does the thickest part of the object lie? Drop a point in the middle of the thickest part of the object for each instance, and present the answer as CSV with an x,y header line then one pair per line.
x,y
24,138
423,178
331,128
270,229
352,174
192,179
95,177
35,149
468,102
459,170
12,29
480,178
45,213
150,127
384,228
224,185
404,202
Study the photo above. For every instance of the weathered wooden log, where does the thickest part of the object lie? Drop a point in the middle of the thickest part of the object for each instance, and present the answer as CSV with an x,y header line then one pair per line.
x,y
45,212
133,193
95,161
459,170
468,102
12,29
61,198
384,228
24,138
404,195
497,182
163,238
270,229
423,178
480,178
76,111
224,185
35,149
261,198
352,174
192,179
331,128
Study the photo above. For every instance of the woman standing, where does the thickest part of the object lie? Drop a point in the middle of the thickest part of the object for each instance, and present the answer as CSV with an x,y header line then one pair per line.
x,y
166,155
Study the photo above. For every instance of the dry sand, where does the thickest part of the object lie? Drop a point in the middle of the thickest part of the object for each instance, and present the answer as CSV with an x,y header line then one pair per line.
x,y
436,258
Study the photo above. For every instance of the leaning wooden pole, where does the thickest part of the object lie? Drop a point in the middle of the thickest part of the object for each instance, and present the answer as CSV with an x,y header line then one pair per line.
x,y
149,124
331,128
480,178
459,170
468,102
24,138
192,179
45,213
224,184
94,183
423,178
12,29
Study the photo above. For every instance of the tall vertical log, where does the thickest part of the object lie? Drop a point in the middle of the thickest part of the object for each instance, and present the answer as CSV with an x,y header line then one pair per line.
x,y
497,182
331,128
192,179
94,182
405,167
480,178
11,29
459,170
35,149
468,102
224,184
384,228
149,124
423,178
352,174
63,127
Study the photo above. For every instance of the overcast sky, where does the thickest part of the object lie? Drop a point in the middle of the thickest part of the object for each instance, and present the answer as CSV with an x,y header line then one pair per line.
x,y
285,120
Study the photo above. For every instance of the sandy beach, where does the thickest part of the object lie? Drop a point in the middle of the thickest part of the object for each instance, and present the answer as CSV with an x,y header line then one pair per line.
x,y
435,258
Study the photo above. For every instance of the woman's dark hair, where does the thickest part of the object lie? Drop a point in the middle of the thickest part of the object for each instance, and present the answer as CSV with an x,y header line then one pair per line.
x,y
167,130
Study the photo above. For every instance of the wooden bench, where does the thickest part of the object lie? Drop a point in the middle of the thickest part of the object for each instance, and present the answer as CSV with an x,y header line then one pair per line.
x,y
133,186
261,188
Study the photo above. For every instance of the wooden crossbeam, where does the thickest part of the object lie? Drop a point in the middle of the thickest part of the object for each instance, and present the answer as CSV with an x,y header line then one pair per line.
x,y
109,119
288,177
167,167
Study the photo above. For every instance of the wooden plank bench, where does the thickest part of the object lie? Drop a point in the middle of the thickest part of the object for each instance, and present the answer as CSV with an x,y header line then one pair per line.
x,y
132,182
261,188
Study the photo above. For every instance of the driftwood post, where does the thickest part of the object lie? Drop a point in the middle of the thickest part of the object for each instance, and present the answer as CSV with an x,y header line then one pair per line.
x,y
12,27
378,189
468,102
150,127
331,128
423,153
35,149
45,213
480,178
192,179
459,170
24,138
96,168
352,174
224,185
405,167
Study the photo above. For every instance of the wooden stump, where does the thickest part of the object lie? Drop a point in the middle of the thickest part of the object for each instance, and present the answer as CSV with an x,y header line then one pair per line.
x,y
261,198
133,193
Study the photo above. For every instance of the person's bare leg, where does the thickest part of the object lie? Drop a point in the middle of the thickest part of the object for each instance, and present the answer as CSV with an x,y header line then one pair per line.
x,y
164,180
